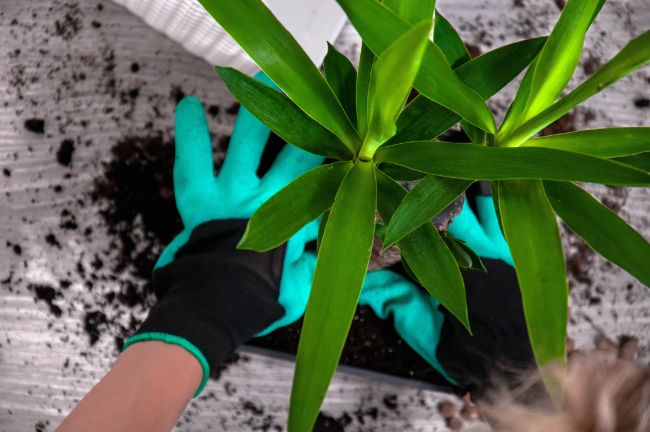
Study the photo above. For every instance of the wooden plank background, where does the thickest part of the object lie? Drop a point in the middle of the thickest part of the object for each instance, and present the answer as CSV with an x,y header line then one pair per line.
x,y
47,364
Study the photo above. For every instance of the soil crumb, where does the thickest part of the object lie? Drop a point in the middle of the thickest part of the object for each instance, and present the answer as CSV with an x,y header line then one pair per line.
x,y
35,125
64,154
326,423
642,103
47,294
71,23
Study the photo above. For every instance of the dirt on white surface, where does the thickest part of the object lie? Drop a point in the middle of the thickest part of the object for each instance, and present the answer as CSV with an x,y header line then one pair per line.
x,y
77,78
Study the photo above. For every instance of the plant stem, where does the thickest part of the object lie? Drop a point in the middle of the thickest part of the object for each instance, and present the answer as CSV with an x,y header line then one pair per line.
x,y
368,149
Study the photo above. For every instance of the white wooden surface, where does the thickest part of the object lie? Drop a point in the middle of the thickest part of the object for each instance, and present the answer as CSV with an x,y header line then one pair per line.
x,y
46,364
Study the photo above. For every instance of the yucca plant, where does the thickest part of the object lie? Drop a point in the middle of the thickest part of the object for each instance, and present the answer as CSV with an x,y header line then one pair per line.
x,y
358,119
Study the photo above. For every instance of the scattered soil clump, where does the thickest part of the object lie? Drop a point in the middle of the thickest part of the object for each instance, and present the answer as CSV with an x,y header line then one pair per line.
x,y
47,294
64,153
35,125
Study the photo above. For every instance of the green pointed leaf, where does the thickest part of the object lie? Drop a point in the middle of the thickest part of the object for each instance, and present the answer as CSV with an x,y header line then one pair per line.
x,y
366,60
426,254
342,78
412,11
321,230
515,113
300,202
340,270
273,48
486,74
391,81
424,202
476,162
494,189
490,72
560,55
612,142
422,119
601,3
401,173
635,54
552,70
379,27
450,42
465,256
532,233
454,49
640,161
601,228
476,135
380,230
462,258
410,273
282,116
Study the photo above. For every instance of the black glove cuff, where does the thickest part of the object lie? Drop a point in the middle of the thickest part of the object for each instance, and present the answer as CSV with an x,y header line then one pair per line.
x,y
215,296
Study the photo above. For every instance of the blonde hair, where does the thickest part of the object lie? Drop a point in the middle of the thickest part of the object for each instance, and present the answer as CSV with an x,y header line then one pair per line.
x,y
601,394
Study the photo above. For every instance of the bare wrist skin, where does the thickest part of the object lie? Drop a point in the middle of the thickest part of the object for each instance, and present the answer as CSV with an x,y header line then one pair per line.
x,y
147,389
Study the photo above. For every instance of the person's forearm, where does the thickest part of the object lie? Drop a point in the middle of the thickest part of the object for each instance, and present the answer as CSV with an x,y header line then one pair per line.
x,y
146,390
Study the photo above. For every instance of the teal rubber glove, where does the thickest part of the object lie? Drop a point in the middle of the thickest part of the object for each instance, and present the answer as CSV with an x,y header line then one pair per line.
x,y
483,235
415,313
237,191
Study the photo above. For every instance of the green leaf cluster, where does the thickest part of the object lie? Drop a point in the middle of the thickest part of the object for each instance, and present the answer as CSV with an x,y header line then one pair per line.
x,y
376,137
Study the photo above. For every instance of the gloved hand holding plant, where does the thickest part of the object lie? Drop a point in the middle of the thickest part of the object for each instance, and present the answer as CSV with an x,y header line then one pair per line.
x,y
191,274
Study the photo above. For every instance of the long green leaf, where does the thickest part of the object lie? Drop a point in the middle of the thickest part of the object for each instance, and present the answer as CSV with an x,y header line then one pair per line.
x,y
366,60
490,72
549,74
517,108
465,256
450,42
426,254
475,135
486,74
532,233
300,202
391,81
473,162
454,49
601,228
635,54
612,142
273,48
379,26
321,230
401,173
342,78
426,200
340,270
560,55
640,161
282,116
412,11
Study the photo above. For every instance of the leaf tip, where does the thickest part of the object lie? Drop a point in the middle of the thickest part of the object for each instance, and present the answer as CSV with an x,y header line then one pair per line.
x,y
244,241
466,324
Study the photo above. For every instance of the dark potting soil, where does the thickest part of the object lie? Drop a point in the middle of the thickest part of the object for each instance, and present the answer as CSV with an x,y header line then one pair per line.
x,y
137,184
